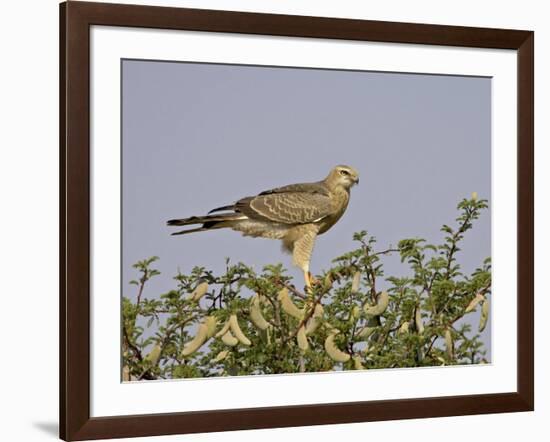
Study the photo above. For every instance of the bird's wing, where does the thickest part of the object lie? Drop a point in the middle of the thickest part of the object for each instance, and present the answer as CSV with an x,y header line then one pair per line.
x,y
319,188
290,207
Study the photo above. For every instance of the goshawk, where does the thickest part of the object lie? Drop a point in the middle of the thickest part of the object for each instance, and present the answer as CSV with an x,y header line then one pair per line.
x,y
295,214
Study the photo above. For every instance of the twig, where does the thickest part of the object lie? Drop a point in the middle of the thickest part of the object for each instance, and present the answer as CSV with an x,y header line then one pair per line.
x,y
385,252
142,281
291,288
310,314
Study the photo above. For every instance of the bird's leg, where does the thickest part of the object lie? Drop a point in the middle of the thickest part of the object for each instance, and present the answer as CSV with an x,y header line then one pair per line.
x,y
301,251
307,278
312,279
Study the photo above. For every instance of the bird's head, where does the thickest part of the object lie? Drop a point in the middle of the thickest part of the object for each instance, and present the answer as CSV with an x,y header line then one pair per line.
x,y
343,176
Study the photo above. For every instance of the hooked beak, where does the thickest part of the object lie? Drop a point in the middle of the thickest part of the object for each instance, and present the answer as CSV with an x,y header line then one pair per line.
x,y
357,180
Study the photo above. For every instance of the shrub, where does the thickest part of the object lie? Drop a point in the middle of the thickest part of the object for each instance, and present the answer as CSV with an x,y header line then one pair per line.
x,y
243,323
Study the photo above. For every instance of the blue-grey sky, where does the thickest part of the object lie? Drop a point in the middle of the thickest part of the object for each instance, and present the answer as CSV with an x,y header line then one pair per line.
x,y
199,136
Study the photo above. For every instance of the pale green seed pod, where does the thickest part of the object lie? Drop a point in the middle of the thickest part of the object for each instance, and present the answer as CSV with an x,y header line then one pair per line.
x,y
199,339
211,323
404,329
154,355
355,282
474,302
223,330
301,337
418,320
328,281
366,332
199,292
221,356
256,314
449,346
380,307
484,315
357,364
315,320
334,352
125,373
288,306
474,196
229,339
234,326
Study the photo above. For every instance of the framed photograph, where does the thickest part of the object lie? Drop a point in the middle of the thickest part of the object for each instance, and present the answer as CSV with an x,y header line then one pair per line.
x,y
274,220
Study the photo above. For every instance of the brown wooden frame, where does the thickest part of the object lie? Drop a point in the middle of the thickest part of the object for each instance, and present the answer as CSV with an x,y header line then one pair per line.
x,y
75,21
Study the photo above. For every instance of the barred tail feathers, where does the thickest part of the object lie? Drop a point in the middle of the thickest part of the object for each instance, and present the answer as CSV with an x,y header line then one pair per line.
x,y
209,222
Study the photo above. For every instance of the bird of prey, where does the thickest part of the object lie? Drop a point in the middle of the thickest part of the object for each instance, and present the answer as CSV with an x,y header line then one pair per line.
x,y
295,214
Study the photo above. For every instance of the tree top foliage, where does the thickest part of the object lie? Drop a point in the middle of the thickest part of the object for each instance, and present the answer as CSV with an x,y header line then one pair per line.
x,y
245,323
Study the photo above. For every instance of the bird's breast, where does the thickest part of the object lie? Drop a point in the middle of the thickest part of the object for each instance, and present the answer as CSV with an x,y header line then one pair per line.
x,y
340,200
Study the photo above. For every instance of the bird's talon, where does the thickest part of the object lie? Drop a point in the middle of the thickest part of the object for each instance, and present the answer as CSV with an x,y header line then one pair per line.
x,y
312,279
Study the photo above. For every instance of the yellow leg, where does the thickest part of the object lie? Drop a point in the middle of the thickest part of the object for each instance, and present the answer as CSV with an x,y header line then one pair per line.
x,y
307,278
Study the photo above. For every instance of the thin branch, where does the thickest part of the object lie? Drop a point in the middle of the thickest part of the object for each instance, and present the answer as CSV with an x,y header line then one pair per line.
x,y
291,288
310,313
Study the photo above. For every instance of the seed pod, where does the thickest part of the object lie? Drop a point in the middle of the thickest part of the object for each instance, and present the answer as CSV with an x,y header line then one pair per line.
x,y
449,343
355,313
474,302
125,373
328,281
484,315
229,339
330,328
357,363
234,325
366,332
211,322
404,329
199,339
356,281
474,196
334,352
221,356
301,337
288,306
154,355
199,292
418,320
315,319
256,314
380,307
223,330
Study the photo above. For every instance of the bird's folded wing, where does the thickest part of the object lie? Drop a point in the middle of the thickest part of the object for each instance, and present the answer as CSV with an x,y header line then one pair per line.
x,y
301,187
286,208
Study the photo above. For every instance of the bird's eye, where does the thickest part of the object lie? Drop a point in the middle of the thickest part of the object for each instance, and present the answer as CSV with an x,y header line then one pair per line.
x,y
344,172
